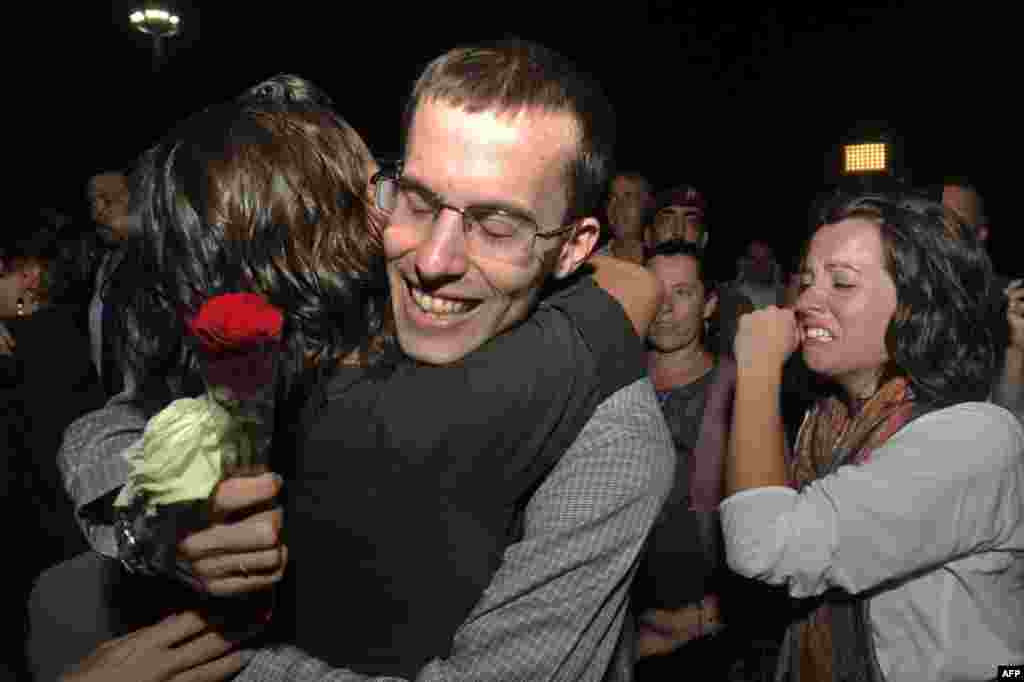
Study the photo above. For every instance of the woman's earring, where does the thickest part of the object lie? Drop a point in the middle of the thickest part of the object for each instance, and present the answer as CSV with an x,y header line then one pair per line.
x,y
21,307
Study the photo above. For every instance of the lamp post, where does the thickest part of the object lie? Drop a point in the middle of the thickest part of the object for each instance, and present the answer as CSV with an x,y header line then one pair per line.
x,y
158,22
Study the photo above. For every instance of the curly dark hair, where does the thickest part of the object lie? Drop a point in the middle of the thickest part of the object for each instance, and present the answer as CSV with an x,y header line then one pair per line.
x,y
265,193
940,337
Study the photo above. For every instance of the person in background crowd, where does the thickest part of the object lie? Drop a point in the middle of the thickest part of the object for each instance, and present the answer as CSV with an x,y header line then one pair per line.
x,y
110,202
1006,303
683,593
46,381
1008,389
960,196
679,214
629,208
899,522
109,198
759,276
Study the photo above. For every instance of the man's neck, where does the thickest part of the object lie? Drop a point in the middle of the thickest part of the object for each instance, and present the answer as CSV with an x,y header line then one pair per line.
x,y
680,367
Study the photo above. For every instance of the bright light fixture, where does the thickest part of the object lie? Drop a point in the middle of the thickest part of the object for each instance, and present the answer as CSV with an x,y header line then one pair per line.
x,y
156,21
867,157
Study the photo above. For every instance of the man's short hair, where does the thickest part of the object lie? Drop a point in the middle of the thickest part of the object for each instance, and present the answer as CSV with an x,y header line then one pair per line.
x,y
681,247
512,75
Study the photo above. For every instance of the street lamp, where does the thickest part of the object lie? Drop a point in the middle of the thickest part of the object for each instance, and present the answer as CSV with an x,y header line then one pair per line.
x,y
159,22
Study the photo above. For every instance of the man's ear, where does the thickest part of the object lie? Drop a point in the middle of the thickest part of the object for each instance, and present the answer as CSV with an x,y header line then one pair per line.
x,y
577,247
710,305
31,275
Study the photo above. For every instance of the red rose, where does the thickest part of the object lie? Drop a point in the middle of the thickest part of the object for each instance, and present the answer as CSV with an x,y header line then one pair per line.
x,y
236,322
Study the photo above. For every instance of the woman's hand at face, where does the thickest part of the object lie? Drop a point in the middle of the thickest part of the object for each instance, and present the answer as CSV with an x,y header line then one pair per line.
x,y
184,647
766,338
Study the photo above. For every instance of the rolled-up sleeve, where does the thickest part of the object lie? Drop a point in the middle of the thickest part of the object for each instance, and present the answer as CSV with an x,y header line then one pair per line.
x,y
93,465
949,484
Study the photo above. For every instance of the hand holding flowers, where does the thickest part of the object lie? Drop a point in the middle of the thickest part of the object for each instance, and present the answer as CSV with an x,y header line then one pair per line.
x,y
195,443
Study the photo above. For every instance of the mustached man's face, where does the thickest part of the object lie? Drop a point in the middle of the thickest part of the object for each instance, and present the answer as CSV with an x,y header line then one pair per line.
x,y
109,199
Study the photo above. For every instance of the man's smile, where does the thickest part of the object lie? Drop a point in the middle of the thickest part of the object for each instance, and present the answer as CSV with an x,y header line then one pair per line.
x,y
437,305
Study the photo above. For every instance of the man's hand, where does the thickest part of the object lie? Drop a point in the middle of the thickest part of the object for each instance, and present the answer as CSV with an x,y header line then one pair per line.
x,y
766,338
184,647
241,551
663,631
1015,313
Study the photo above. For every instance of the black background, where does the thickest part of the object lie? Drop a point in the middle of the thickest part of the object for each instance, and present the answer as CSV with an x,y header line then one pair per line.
x,y
749,105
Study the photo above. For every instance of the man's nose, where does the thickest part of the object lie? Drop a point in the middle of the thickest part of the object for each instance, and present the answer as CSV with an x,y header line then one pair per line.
x,y
442,255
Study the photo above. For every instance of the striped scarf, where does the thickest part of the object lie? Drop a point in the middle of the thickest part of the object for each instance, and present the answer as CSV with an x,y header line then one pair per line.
x,y
831,436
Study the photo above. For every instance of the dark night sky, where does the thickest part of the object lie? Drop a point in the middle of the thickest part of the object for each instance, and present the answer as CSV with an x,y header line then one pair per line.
x,y
744,103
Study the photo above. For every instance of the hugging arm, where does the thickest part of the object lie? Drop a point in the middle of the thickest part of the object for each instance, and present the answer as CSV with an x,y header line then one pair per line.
x,y
636,289
92,462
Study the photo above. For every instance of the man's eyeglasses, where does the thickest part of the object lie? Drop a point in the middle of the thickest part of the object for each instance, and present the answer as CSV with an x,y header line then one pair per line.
x,y
490,232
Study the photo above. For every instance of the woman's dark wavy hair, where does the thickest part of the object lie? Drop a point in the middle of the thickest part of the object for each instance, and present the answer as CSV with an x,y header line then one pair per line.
x,y
266,193
939,337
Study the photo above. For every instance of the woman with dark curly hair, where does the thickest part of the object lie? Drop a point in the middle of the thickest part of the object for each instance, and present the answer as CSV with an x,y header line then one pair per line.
x,y
899,521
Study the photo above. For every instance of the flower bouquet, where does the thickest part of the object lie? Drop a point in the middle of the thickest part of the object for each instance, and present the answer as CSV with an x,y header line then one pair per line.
x,y
194,443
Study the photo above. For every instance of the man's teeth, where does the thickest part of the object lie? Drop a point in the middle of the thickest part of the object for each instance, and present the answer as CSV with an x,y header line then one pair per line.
x,y
818,333
437,306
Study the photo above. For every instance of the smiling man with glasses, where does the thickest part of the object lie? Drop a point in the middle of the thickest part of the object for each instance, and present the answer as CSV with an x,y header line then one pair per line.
x,y
469,266
489,218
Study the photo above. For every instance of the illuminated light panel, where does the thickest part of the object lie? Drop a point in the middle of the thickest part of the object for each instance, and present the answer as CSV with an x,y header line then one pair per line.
x,y
867,157
137,17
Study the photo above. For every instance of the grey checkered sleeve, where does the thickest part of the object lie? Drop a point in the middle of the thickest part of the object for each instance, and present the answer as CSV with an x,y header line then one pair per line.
x,y
557,607
92,463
